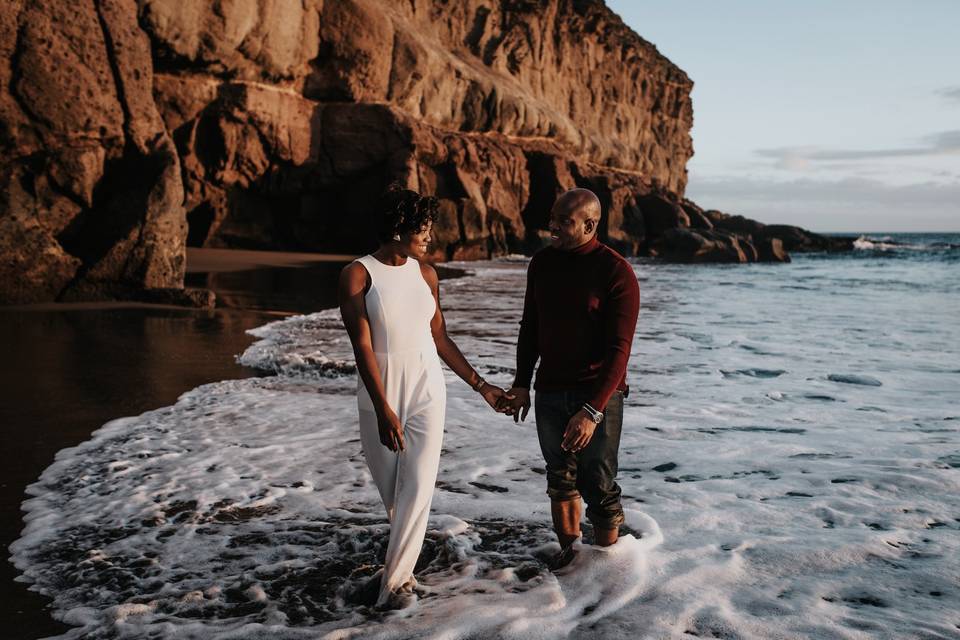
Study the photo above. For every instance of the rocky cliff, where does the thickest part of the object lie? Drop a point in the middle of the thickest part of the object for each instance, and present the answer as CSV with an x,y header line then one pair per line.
x,y
91,199
133,128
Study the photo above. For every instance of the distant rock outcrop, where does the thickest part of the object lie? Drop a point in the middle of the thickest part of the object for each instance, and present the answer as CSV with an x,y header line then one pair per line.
x,y
712,236
275,125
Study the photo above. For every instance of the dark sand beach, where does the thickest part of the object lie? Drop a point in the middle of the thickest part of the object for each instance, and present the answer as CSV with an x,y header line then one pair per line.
x,y
70,368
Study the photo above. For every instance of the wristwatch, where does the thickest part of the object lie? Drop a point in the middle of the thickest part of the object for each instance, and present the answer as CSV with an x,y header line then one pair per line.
x,y
596,416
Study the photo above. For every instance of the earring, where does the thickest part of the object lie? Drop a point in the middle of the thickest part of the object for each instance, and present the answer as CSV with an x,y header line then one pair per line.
x,y
396,237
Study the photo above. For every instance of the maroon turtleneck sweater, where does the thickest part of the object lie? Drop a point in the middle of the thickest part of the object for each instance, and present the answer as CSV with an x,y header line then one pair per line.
x,y
579,315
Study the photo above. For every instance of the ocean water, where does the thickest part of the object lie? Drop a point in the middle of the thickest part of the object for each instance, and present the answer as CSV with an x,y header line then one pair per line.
x,y
790,464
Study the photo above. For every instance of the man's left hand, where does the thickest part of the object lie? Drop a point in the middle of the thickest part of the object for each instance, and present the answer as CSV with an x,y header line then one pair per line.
x,y
579,432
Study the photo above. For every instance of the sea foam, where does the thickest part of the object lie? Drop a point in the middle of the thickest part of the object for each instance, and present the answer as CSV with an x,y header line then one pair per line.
x,y
756,508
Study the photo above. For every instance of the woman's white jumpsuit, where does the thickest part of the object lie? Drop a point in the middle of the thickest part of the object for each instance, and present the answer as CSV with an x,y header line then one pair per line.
x,y
400,306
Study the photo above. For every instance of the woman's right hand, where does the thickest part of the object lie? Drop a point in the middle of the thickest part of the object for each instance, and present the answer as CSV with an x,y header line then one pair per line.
x,y
495,396
391,431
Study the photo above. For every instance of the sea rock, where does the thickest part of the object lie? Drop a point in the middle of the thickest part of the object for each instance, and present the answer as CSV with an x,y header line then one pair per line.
x,y
623,225
698,220
33,266
735,224
750,251
661,213
771,250
792,238
801,240
688,245
309,180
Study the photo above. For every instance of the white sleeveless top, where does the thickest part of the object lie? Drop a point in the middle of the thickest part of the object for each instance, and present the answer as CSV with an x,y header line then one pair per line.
x,y
400,306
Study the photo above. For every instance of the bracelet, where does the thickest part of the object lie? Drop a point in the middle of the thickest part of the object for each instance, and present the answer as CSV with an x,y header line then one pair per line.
x,y
596,416
479,384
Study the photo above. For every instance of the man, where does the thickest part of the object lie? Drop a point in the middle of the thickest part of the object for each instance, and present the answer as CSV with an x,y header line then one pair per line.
x,y
579,315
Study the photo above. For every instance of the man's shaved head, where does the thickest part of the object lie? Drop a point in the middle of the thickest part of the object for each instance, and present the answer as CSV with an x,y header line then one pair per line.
x,y
582,201
574,218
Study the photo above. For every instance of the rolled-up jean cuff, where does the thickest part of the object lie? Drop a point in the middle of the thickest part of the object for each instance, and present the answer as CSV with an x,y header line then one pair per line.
x,y
562,495
606,521
591,472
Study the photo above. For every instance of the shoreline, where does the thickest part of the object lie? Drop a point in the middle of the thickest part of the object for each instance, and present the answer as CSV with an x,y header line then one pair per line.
x,y
72,367
208,260
790,444
232,274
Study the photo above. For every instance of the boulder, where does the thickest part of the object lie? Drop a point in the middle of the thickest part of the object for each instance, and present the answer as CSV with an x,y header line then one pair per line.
x,y
687,245
771,250
661,213
739,225
792,238
698,220
801,240
702,245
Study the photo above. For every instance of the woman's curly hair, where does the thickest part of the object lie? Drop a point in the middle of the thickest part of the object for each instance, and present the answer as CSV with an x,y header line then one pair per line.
x,y
405,211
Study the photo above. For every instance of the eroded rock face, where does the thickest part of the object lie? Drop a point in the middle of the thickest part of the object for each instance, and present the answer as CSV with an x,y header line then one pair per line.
x,y
563,70
242,39
92,199
275,124
487,105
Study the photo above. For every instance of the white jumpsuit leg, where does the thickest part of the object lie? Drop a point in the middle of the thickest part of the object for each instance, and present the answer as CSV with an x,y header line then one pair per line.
x,y
417,393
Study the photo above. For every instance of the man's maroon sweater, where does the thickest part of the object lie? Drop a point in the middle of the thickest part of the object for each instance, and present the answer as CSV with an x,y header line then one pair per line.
x,y
579,315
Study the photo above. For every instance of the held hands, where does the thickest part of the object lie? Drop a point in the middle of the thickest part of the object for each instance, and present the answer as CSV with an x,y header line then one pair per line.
x,y
391,431
579,431
516,403
495,396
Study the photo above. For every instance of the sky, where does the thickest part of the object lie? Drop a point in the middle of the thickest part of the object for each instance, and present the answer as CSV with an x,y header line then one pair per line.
x,y
839,115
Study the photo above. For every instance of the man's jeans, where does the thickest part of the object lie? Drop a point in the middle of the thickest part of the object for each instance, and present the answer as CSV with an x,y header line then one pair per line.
x,y
590,473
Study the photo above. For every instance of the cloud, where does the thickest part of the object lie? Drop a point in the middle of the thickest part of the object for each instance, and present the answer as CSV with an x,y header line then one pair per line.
x,y
849,204
805,158
859,190
950,93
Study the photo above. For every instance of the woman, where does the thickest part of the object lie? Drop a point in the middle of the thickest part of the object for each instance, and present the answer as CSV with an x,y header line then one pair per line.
x,y
390,305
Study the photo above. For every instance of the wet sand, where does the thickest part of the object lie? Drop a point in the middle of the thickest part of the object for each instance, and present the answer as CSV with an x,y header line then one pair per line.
x,y
69,368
